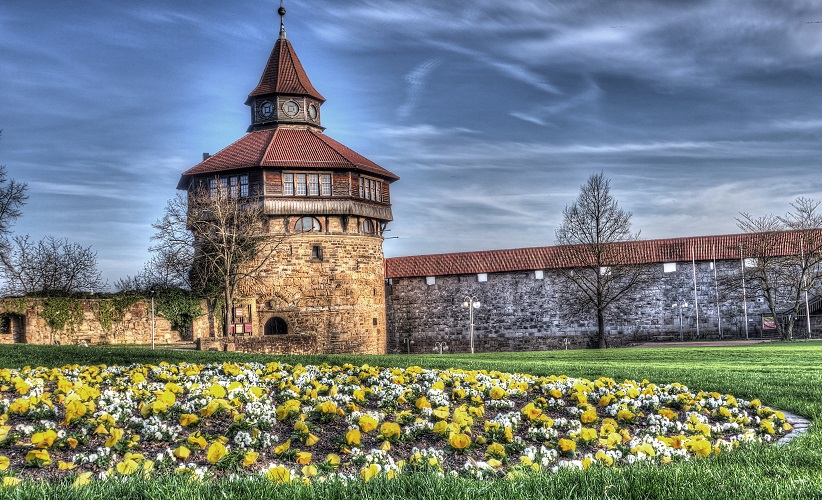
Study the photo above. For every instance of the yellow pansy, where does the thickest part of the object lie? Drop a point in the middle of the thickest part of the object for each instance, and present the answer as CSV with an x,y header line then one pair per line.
x,y
9,481
311,440
279,474
495,450
83,479
38,457
567,445
303,457
61,465
4,462
327,408
333,460
127,467
441,413
441,427
588,416
496,393
370,472
367,423
197,439
422,402
588,434
44,439
604,458
390,430
182,452
279,450
309,470
115,435
75,409
352,437
459,441
216,452
188,419
216,391
250,458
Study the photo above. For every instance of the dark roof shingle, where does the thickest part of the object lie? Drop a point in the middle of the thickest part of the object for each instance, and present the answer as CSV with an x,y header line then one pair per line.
x,y
284,74
286,148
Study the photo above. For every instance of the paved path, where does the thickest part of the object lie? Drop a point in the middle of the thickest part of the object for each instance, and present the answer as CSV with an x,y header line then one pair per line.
x,y
800,426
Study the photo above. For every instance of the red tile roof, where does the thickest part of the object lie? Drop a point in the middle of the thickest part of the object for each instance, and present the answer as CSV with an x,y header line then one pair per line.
x,y
284,74
286,148
702,248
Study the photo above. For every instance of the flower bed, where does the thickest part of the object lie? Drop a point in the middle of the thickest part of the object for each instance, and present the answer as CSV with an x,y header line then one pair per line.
x,y
311,423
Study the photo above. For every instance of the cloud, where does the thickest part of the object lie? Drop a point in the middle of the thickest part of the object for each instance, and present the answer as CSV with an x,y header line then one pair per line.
x,y
416,80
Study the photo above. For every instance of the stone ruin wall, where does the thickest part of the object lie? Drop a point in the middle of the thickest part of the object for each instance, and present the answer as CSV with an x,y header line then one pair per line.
x,y
27,325
521,313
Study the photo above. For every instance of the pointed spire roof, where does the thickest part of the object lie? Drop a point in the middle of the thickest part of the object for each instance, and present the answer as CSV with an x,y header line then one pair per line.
x,y
284,74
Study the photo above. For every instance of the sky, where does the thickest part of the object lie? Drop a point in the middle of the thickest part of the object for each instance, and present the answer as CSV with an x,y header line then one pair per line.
x,y
493,114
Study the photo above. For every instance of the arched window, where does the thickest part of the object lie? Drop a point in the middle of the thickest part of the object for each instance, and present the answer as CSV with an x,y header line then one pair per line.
x,y
306,224
276,326
367,226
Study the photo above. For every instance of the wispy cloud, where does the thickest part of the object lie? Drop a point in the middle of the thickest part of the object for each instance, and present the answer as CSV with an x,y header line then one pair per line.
x,y
416,80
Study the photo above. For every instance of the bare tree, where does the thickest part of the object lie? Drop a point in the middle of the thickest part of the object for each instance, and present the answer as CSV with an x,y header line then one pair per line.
x,y
599,276
784,259
165,270
12,198
806,221
49,266
226,235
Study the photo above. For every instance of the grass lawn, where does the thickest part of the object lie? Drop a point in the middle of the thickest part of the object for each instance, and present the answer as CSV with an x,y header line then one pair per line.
x,y
783,376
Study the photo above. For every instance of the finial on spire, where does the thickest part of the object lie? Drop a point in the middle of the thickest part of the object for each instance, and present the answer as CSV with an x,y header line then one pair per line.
x,y
281,12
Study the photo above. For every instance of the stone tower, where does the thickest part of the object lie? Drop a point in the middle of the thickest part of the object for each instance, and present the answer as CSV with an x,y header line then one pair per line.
x,y
323,289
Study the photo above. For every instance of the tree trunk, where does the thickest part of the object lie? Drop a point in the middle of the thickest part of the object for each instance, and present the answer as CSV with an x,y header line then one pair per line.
x,y
601,343
227,310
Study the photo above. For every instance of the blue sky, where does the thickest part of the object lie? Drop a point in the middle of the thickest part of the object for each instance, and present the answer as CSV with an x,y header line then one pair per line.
x,y
492,113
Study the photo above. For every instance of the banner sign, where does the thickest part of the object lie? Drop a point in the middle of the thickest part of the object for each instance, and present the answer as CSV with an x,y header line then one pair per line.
x,y
768,323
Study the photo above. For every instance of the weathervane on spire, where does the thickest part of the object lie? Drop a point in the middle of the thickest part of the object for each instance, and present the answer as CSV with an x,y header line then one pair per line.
x,y
281,12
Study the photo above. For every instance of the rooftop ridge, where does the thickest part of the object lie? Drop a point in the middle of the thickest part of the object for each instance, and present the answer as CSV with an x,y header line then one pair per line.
x,y
679,249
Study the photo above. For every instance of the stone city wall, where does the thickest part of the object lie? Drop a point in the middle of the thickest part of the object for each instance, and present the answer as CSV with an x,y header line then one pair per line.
x,y
520,311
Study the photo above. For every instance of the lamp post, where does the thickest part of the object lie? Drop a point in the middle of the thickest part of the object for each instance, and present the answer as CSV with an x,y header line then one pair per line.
x,y
680,305
152,319
470,302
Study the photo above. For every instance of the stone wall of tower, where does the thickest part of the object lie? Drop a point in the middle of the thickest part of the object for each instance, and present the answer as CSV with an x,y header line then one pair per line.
x,y
334,303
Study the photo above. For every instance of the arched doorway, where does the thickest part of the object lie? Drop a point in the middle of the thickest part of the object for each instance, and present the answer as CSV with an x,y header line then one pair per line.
x,y
276,326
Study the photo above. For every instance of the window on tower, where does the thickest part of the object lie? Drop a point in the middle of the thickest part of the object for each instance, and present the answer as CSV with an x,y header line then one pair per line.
x,y
306,224
306,184
367,226
370,189
228,185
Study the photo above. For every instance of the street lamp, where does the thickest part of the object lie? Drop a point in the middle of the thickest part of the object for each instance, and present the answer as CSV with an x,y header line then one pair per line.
x,y
470,302
680,306
152,319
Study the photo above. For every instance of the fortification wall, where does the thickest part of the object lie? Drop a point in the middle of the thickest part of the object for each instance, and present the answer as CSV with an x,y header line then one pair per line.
x,y
520,311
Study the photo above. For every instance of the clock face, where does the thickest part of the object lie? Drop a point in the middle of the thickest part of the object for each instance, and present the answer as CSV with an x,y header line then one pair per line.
x,y
266,109
312,112
291,108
